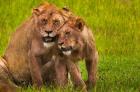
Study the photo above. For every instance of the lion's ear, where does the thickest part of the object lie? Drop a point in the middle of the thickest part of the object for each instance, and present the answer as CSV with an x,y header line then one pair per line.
x,y
79,24
36,11
40,8
66,9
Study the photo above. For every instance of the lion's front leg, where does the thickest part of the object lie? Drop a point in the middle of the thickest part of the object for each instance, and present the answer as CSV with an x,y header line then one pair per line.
x,y
34,62
91,65
76,76
61,73
35,72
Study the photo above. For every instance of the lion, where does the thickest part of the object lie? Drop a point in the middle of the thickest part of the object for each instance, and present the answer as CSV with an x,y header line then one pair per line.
x,y
31,47
75,43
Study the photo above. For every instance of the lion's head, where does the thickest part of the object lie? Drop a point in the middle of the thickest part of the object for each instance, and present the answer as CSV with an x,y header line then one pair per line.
x,y
49,19
70,36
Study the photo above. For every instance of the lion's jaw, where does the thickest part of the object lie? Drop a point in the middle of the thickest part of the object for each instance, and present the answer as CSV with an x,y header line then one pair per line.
x,y
67,53
49,41
66,50
47,45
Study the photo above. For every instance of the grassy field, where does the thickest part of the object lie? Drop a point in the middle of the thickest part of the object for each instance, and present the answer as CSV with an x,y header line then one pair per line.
x,y
116,26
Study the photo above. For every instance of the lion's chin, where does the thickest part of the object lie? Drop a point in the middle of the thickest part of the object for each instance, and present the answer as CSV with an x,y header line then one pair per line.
x,y
48,44
67,53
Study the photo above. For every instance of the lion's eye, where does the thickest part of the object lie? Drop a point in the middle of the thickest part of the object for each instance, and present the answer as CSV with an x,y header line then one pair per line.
x,y
67,33
56,22
44,21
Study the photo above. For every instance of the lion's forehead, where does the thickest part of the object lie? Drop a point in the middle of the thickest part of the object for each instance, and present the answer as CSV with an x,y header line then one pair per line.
x,y
53,16
57,16
68,28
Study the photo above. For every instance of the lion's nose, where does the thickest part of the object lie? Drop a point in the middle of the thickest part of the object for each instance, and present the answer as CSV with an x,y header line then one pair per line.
x,y
49,31
60,43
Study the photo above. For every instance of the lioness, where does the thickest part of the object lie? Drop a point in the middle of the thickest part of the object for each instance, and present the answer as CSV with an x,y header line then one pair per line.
x,y
30,46
76,42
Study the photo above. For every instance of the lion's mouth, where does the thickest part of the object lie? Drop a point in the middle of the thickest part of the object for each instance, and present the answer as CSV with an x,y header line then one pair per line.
x,y
48,39
66,50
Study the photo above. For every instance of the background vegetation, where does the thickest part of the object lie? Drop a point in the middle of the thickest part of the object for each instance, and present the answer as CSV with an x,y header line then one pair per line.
x,y
116,26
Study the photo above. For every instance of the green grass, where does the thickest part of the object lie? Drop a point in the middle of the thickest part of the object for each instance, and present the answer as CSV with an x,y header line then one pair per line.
x,y
116,26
